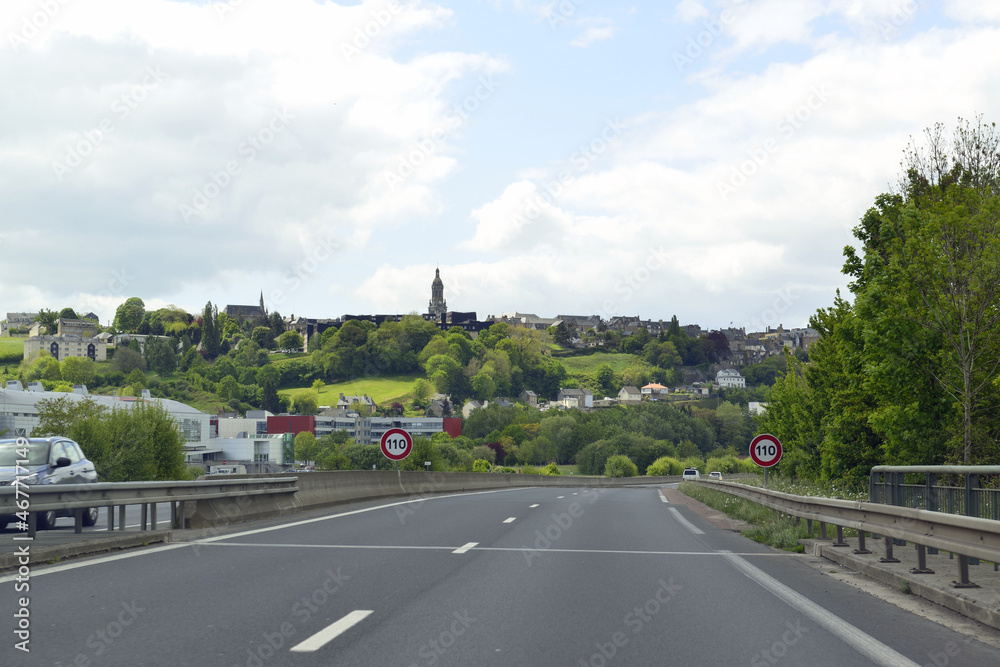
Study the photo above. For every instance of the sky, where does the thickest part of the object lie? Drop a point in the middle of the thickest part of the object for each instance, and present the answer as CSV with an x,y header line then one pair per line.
x,y
704,158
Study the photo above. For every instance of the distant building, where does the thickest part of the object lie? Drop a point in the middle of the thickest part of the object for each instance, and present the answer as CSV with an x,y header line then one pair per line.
x,y
575,398
629,394
251,313
437,305
654,390
730,378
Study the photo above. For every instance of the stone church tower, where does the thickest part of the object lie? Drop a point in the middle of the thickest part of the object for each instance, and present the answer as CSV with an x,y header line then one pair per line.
x,y
437,306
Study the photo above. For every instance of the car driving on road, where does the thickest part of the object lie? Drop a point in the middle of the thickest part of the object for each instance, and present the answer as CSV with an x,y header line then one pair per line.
x,y
691,474
43,461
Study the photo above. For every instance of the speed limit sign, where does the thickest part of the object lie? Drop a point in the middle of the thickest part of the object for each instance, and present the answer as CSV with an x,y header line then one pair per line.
x,y
396,444
765,450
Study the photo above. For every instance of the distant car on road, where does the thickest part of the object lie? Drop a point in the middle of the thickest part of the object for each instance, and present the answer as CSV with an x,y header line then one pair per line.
x,y
691,474
45,461
715,474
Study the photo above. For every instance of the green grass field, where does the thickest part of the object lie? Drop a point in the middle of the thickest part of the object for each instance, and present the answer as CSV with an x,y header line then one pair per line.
x,y
383,389
11,350
591,362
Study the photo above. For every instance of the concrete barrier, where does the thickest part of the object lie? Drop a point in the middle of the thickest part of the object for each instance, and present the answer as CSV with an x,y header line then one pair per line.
x,y
319,489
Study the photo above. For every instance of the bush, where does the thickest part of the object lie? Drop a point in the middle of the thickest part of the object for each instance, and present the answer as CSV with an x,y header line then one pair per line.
x,y
551,469
620,465
482,452
695,462
481,465
665,465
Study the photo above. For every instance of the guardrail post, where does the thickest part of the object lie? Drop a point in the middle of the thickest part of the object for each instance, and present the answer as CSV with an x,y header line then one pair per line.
x,y
873,484
142,517
152,516
78,520
121,517
930,482
963,574
888,552
32,524
898,498
840,538
111,518
972,501
861,544
822,531
921,567
809,527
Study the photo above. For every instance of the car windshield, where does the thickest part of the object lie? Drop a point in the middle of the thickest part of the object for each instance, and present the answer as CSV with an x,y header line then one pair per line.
x,y
12,451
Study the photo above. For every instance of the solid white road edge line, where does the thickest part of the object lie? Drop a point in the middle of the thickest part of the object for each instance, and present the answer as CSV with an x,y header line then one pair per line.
x,y
684,522
465,547
330,632
860,641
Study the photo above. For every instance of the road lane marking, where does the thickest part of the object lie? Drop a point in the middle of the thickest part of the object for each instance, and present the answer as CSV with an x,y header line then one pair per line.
x,y
684,522
331,632
465,547
217,538
510,520
262,545
535,505
860,641
557,497
663,497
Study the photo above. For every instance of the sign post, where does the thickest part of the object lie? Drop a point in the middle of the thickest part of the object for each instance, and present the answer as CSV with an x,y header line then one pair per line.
x,y
765,451
396,444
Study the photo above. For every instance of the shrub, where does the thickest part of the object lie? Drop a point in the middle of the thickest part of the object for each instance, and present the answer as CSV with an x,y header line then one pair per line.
x,y
481,465
620,465
665,465
551,469
695,462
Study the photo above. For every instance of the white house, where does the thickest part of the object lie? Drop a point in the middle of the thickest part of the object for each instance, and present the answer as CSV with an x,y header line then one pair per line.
x,y
730,378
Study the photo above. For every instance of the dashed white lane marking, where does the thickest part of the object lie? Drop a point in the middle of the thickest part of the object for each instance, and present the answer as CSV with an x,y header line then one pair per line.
x,y
465,547
510,520
663,497
535,505
860,641
330,632
684,522
557,497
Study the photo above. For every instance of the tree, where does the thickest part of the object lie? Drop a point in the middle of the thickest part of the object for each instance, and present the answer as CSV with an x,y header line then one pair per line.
x,y
263,336
47,319
127,360
129,315
68,314
290,340
211,335
78,370
160,355
228,388
305,447
421,390
305,404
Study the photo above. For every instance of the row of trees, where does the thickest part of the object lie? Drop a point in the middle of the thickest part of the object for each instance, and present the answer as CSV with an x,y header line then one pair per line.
x,y
907,373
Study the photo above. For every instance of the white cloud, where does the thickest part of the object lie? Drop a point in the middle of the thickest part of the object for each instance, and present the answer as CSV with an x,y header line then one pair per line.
x,y
599,30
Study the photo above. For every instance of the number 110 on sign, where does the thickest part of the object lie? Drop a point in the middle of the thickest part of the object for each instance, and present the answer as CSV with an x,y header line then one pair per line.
x,y
396,444
765,450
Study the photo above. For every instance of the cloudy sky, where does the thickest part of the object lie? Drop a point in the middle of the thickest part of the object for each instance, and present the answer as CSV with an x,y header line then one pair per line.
x,y
704,158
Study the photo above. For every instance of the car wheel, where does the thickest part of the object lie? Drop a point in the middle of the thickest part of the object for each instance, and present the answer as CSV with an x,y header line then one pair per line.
x,y
90,516
46,520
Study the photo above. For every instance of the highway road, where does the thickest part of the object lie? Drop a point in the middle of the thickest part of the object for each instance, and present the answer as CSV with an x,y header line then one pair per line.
x,y
547,576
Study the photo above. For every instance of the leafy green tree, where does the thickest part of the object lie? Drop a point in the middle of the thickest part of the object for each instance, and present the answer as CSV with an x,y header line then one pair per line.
x,y
306,447
211,334
47,319
263,336
68,314
228,388
290,340
78,370
305,404
620,466
129,315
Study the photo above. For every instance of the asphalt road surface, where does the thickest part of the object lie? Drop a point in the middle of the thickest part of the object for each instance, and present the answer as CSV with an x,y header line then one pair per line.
x,y
519,577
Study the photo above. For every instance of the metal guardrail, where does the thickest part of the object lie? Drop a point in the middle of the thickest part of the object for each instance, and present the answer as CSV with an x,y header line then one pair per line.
x,y
966,537
887,485
79,497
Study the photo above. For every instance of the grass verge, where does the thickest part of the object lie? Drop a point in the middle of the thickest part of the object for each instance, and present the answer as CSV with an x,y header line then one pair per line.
x,y
766,525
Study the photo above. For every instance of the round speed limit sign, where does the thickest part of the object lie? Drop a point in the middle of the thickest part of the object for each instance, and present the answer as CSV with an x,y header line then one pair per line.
x,y
396,444
765,450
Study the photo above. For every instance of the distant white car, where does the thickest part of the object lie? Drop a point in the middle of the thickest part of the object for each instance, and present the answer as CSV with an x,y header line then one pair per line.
x,y
715,475
691,474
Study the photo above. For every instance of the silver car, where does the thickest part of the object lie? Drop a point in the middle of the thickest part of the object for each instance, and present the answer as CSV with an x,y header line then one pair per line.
x,y
44,461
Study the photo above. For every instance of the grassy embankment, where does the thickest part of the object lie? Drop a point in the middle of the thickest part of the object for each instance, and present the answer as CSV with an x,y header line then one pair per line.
x,y
768,526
